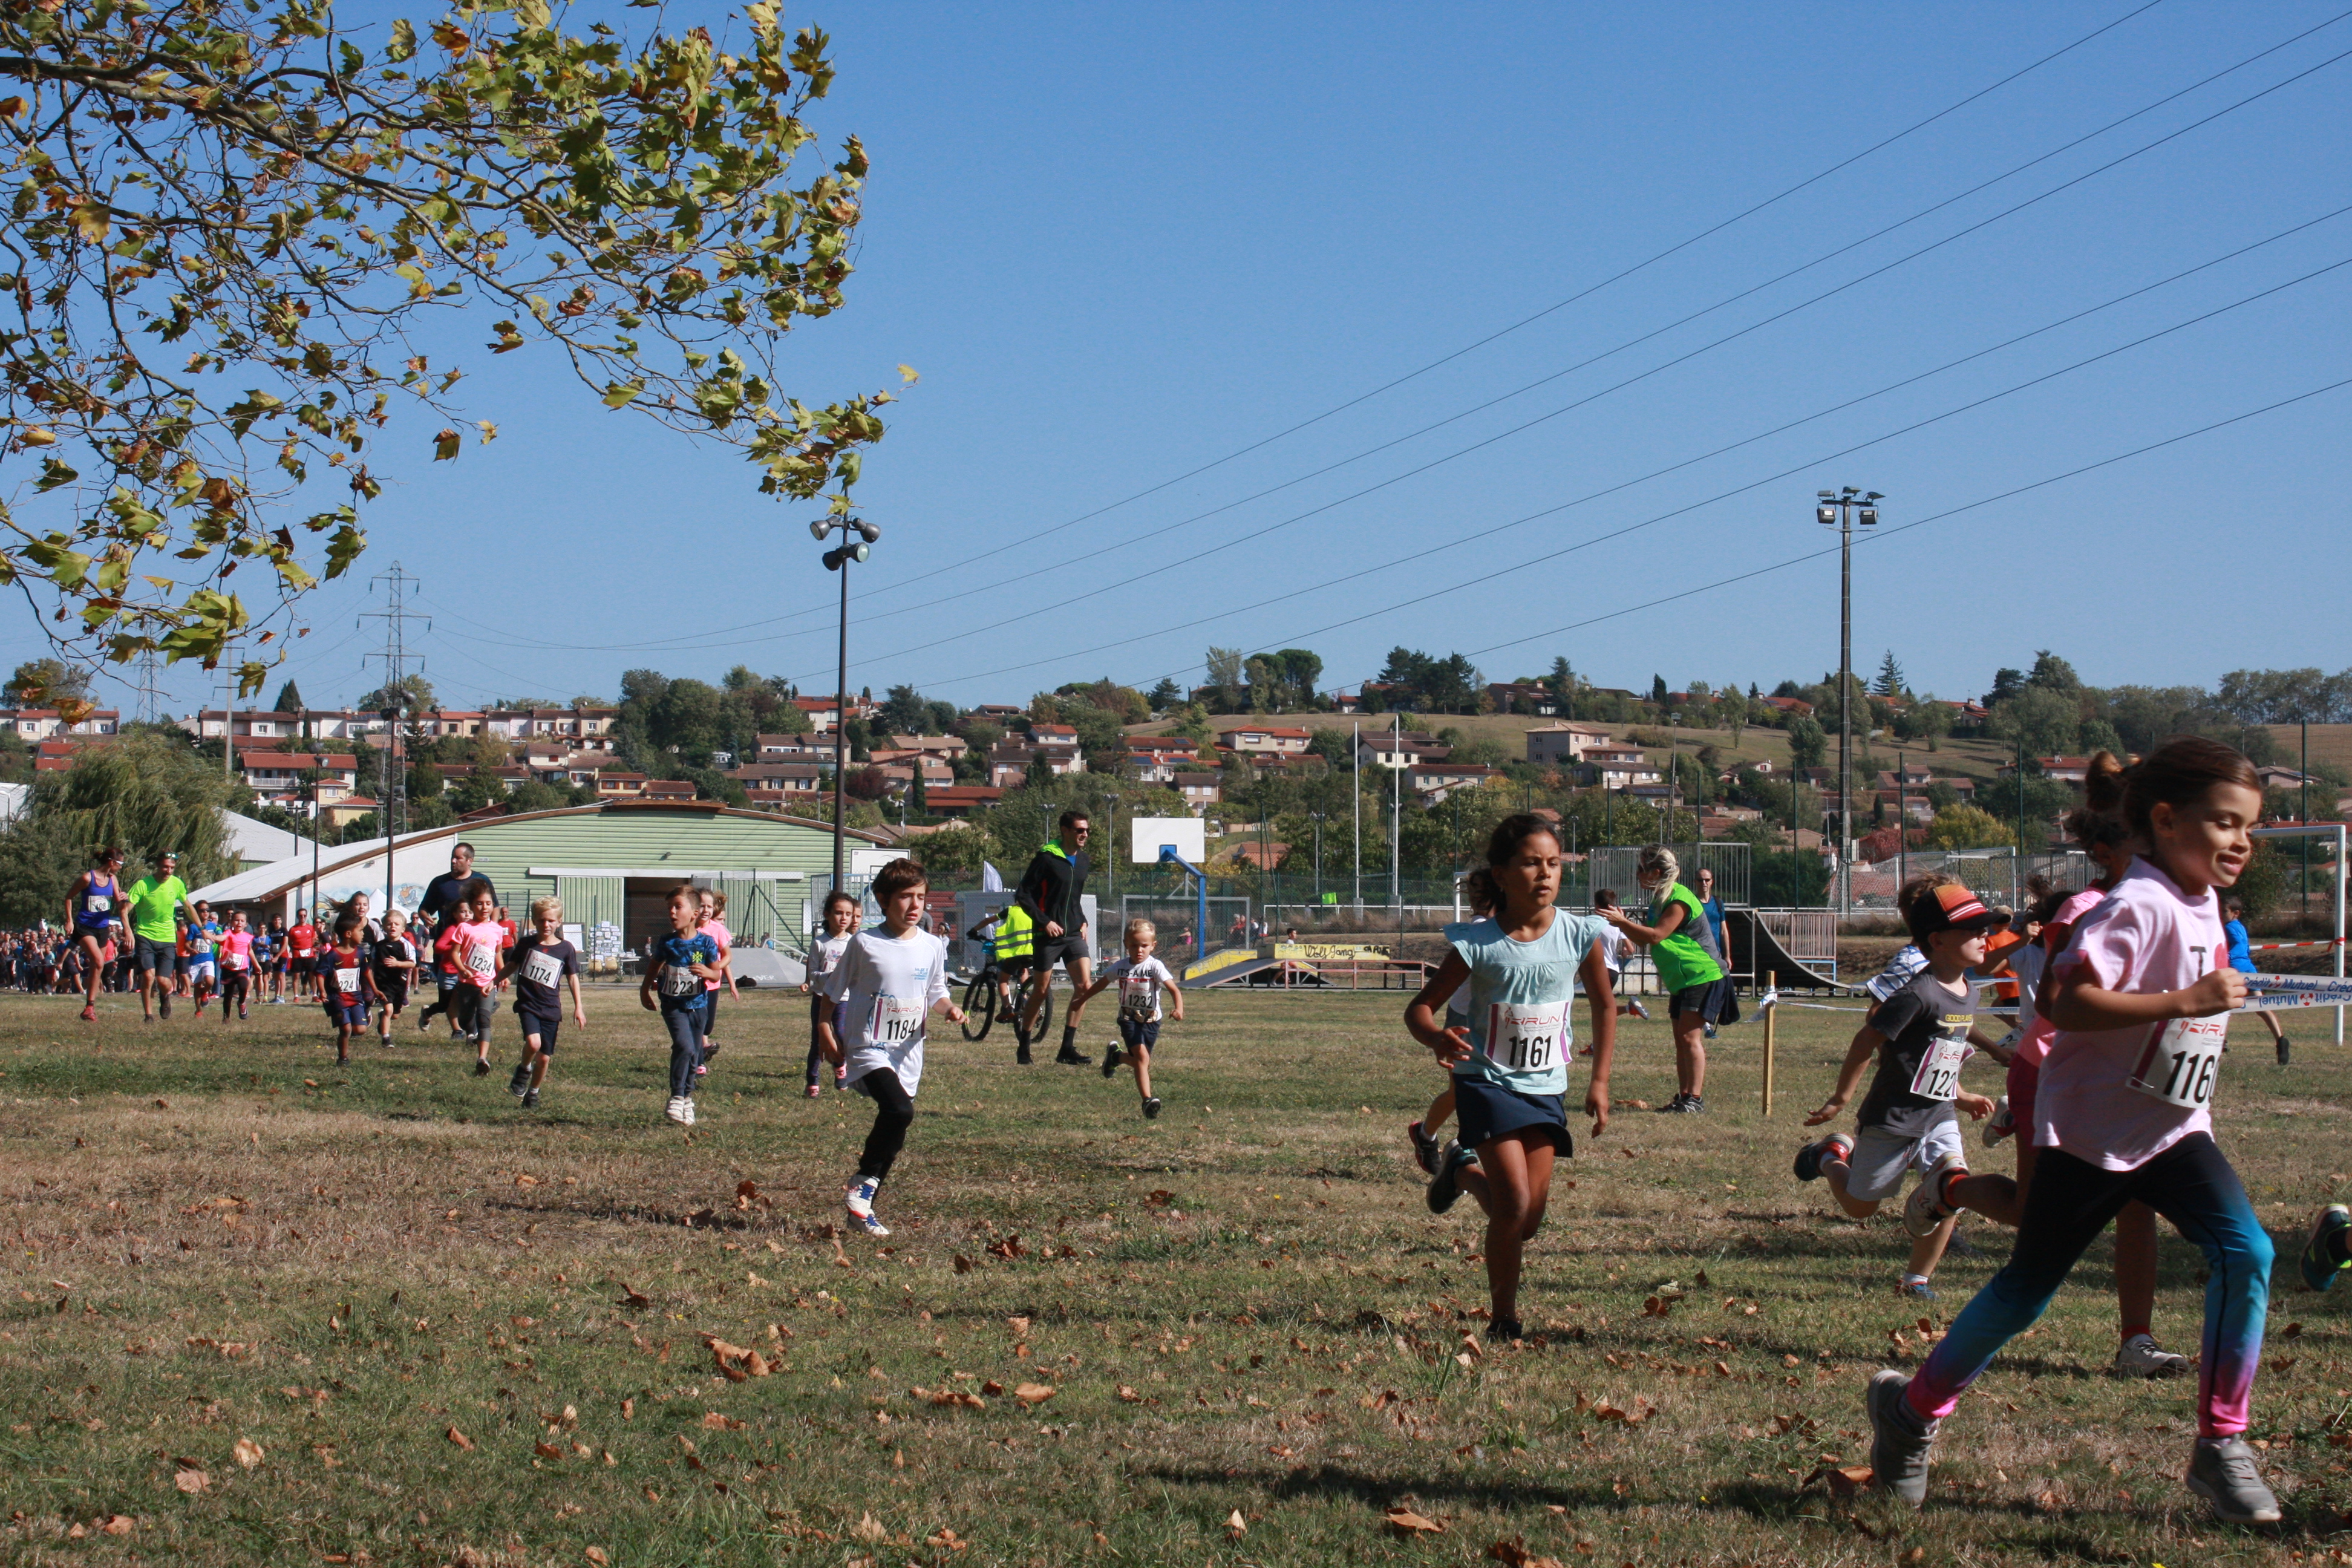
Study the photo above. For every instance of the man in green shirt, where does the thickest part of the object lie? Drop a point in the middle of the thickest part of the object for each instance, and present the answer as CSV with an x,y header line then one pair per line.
x,y
154,904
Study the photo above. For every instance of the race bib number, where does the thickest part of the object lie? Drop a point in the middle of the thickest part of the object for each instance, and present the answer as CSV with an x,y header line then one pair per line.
x,y
680,981
347,981
482,963
1938,1077
1525,1036
235,959
895,1020
2181,1062
543,969
98,904
1138,998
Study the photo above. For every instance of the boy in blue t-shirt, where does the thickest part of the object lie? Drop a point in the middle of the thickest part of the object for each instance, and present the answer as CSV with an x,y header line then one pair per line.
x,y
675,968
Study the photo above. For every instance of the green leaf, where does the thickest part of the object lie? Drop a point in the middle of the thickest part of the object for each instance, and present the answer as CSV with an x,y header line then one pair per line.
x,y
53,474
621,393
403,41
445,446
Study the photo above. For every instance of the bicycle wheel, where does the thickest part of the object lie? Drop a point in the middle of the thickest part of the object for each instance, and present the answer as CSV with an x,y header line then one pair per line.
x,y
979,1007
1020,999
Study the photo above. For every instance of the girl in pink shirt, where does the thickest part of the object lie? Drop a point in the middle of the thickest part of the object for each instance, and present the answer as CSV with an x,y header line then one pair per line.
x,y
474,946
2098,827
2140,998
713,924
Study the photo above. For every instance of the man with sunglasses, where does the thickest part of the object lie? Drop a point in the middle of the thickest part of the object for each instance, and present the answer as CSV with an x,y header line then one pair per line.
x,y
1052,891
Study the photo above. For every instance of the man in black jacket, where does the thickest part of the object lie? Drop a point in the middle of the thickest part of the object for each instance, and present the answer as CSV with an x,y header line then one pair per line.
x,y
1053,890
443,905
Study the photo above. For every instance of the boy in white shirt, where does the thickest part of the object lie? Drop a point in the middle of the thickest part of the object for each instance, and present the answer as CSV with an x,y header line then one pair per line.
x,y
1141,980
881,992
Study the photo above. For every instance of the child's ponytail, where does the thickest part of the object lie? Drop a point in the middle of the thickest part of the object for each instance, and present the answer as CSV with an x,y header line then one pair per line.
x,y
2099,821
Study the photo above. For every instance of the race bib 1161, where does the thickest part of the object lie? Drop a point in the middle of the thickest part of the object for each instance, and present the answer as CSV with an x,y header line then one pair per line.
x,y
1525,1036
2182,1059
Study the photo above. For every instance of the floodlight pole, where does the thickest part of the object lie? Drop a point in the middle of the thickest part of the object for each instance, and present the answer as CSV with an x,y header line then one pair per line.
x,y
1355,827
837,560
1837,509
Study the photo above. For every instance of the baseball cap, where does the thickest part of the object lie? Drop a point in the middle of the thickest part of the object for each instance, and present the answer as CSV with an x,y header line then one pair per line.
x,y
1948,908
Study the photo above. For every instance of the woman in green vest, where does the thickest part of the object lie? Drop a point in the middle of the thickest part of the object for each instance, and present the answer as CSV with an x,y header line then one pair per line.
x,y
1690,970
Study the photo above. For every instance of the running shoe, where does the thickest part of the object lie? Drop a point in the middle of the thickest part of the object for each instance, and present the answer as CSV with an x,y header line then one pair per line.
x,y
2285,1050
89,1013
860,1204
1637,1010
813,1091
1503,1330
521,1081
689,1111
2000,1123
2324,1245
1020,1056
1683,1105
2221,1471
1900,1442
482,1067
1425,1149
2141,1356
1445,1186
701,1071
1071,1057
1837,1146
709,1050
676,1109
1152,1109
240,1012
1925,1209
1111,1059
1710,1031
530,1100
1915,1290
164,1004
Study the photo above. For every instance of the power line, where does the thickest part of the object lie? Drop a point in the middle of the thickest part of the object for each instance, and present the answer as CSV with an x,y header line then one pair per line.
x,y
1424,596
1256,534
391,804
1618,276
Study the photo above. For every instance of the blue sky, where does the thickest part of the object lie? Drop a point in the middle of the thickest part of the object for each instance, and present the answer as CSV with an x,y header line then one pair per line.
x,y
1123,242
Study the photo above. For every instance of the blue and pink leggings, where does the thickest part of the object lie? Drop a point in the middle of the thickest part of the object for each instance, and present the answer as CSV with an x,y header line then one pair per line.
x,y
2069,1202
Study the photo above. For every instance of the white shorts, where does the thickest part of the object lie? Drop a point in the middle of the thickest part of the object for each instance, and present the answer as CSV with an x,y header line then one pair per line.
x,y
200,966
1881,1158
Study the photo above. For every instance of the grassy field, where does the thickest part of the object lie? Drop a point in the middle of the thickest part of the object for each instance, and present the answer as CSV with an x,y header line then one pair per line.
x,y
259,1309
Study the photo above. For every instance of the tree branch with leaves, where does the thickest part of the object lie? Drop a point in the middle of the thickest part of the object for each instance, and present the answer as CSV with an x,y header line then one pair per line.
x,y
228,229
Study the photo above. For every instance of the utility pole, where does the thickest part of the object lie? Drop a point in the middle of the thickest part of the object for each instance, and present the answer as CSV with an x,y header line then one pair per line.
x,y
1396,816
390,806
1841,509
1356,828
147,692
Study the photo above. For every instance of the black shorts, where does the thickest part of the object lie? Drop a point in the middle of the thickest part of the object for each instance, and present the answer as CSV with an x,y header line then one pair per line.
x,y
1484,1110
1138,1034
543,1025
393,988
1710,1000
161,954
1013,968
1052,951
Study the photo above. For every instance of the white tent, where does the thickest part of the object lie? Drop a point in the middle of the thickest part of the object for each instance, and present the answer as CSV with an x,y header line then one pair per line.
x,y
252,844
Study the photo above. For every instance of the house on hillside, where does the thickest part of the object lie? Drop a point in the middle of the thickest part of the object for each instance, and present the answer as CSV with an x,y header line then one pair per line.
x,y
1619,766
1201,791
960,799
1392,749
1564,743
1795,707
1522,697
48,724
1263,740
1433,782
277,776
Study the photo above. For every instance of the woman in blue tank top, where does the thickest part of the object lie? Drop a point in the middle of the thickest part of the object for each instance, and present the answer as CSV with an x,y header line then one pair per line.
x,y
90,915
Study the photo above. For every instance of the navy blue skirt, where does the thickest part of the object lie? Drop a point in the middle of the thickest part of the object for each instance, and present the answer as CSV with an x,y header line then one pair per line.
x,y
1485,1110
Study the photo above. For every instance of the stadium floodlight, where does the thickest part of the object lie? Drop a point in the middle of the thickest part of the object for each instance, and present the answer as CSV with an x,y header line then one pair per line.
x,y
857,538
1841,509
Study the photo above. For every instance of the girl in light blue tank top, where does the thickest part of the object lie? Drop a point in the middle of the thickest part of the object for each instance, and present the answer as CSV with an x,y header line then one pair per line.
x,y
1510,1064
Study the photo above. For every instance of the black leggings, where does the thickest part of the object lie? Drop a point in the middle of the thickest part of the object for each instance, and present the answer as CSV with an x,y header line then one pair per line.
x,y
894,1113
816,1061
232,985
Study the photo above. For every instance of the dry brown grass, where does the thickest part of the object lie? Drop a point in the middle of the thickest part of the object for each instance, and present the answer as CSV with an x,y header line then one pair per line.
x,y
1241,1308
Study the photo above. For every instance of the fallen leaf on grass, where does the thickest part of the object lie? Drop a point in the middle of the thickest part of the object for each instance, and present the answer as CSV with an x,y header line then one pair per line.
x,y
869,1529
991,1388
118,1524
949,1396
1008,1248
1843,1479
597,1555
719,1421
547,1450
1235,1525
191,1480
946,1541
1033,1393
964,1265
460,1439
526,1181
630,1297
1129,1396
1516,1555
1406,1522
249,1452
